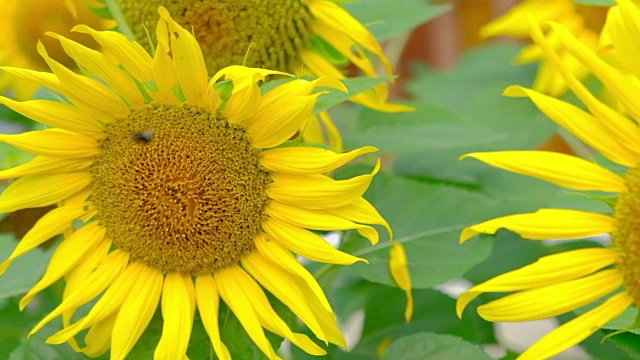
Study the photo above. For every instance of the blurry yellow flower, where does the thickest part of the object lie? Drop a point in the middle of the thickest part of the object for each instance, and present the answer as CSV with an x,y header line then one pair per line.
x,y
583,21
563,282
303,37
399,270
24,22
184,196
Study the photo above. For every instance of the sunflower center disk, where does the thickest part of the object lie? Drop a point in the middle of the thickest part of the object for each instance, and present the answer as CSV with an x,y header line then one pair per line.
x,y
225,29
626,237
179,189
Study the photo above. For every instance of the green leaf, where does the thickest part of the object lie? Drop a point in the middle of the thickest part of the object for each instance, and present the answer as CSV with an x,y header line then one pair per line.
x,y
12,157
35,348
472,91
430,236
354,86
596,2
15,326
386,18
433,312
433,347
24,272
429,128
627,342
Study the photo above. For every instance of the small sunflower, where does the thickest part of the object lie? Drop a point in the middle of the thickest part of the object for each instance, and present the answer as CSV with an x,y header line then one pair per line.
x,y
24,24
184,196
302,37
607,278
584,21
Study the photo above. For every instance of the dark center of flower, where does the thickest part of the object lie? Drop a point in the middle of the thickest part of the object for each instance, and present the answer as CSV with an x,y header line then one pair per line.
x,y
626,237
226,28
34,18
179,188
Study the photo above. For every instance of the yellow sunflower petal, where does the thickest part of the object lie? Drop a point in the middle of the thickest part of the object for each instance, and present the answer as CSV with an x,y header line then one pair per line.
x,y
212,100
72,250
548,270
614,80
315,63
307,243
245,100
333,133
129,53
76,277
246,90
278,254
317,219
232,283
163,68
125,285
88,94
99,65
53,142
578,329
98,339
622,28
617,126
400,274
38,78
553,300
177,313
363,212
189,63
104,275
318,191
580,123
56,114
308,160
38,191
376,99
43,165
288,293
208,299
333,20
556,168
51,224
136,312
546,224
277,123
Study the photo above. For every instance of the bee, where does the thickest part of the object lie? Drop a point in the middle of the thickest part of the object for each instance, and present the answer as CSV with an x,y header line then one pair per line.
x,y
143,137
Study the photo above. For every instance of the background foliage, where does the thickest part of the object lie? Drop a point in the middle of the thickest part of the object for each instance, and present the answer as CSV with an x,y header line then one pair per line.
x,y
427,195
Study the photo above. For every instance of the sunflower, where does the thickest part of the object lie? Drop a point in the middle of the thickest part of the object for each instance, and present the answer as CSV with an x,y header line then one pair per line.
x,y
302,37
584,21
184,195
605,278
24,24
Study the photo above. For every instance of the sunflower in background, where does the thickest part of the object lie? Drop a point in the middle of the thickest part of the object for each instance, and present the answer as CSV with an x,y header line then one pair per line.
x,y
584,21
607,278
302,37
184,195
25,22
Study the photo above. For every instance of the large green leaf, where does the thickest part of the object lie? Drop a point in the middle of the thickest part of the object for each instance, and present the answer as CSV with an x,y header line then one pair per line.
x,y
595,2
386,18
24,272
354,86
473,92
433,347
433,312
428,128
427,218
